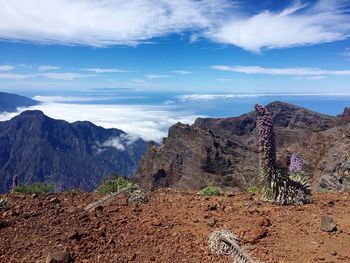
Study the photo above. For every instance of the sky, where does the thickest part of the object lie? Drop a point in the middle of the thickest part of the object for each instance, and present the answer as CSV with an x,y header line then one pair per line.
x,y
180,45
111,61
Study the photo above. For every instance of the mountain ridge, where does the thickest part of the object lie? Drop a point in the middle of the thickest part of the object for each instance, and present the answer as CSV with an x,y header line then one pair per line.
x,y
10,102
223,151
69,155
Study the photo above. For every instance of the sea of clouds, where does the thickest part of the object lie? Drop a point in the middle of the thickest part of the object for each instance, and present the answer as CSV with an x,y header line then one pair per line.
x,y
148,122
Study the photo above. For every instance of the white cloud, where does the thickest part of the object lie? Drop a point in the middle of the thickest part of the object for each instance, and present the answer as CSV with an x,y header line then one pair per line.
x,y
113,142
121,143
208,97
119,22
139,81
168,102
103,23
297,25
68,99
282,71
225,80
107,70
156,76
181,72
346,54
6,68
316,77
64,76
13,76
51,75
147,122
47,68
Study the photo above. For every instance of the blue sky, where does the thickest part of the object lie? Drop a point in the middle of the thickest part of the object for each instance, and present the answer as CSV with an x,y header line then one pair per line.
x,y
181,45
143,65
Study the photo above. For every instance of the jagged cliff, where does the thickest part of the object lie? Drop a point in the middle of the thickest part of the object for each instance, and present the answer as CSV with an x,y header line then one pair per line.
x,y
224,151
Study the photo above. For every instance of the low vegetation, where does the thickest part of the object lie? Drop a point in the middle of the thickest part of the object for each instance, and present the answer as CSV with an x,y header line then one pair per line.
x,y
210,191
3,203
38,188
116,185
252,189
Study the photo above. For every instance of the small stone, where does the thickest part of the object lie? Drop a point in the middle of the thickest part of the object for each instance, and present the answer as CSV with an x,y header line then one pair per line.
x,y
54,200
333,253
212,207
211,221
110,241
263,221
156,223
331,203
254,235
327,224
58,257
3,224
132,257
75,234
98,208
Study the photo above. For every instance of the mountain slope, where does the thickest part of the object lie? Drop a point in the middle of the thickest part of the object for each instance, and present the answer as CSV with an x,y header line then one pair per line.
x,y
10,102
224,151
78,155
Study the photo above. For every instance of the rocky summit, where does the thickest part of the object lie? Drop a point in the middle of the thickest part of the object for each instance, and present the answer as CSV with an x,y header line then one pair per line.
x,y
224,151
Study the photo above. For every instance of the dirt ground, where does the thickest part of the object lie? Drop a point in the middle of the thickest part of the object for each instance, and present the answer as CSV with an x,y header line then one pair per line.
x,y
172,227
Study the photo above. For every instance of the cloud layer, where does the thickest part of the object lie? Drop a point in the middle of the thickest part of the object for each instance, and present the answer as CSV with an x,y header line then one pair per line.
x,y
147,122
282,71
119,22
6,67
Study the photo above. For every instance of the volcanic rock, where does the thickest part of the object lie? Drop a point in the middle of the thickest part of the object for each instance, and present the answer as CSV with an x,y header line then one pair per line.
x,y
224,151
211,221
327,224
58,257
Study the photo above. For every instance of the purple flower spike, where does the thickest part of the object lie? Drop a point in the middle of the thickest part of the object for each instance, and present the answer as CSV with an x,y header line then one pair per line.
x,y
296,163
267,144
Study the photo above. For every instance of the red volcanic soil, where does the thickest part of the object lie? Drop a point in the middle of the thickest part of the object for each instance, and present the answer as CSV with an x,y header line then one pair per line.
x,y
172,227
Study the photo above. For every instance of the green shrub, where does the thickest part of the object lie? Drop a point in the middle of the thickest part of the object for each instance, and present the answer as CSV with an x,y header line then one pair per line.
x,y
38,188
3,203
252,189
115,185
210,190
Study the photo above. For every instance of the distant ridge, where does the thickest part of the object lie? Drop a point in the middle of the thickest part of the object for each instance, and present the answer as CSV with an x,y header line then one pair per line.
x,y
69,155
10,102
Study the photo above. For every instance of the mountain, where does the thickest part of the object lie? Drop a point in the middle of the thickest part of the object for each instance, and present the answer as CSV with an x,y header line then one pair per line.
x,y
10,102
69,155
224,151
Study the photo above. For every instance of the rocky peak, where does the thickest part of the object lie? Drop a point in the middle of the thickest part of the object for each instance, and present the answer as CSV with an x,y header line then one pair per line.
x,y
223,151
345,116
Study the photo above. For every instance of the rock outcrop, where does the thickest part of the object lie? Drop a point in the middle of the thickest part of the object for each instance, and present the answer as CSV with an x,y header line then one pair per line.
x,y
224,151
